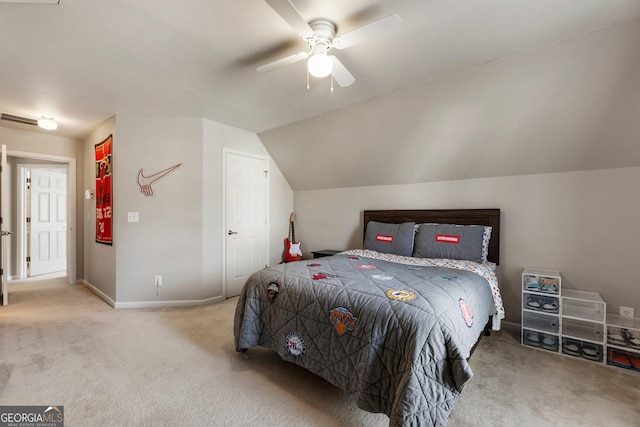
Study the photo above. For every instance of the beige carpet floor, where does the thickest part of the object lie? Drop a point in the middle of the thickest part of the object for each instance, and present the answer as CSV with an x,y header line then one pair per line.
x,y
62,345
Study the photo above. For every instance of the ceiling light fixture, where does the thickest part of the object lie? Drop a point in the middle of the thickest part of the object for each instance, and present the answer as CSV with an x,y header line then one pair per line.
x,y
47,123
319,63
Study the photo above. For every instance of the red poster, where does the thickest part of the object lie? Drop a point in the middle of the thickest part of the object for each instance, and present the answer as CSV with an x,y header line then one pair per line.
x,y
103,192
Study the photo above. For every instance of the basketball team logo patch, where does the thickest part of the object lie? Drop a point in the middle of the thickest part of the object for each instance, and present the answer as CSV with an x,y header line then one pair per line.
x,y
342,320
467,315
400,295
295,345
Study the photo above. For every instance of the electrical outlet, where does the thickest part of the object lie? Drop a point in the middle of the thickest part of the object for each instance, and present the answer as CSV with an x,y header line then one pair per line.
x,y
626,312
158,280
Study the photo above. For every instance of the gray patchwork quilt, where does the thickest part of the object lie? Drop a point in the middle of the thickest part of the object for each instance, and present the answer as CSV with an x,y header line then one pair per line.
x,y
395,335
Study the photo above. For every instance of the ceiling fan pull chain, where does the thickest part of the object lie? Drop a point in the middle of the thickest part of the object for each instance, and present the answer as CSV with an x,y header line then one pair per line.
x,y
331,82
308,79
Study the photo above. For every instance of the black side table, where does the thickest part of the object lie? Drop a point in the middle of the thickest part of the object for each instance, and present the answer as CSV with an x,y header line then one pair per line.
x,y
323,253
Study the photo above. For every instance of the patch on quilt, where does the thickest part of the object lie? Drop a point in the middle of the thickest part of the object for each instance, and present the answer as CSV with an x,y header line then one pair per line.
x,y
451,278
467,315
315,264
342,320
321,275
272,291
366,267
295,345
400,295
381,277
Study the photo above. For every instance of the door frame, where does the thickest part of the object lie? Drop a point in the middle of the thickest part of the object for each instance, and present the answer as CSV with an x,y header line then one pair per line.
x,y
21,232
4,202
225,152
70,164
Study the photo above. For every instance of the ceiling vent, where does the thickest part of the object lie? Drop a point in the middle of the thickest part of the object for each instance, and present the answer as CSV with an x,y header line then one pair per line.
x,y
18,119
56,2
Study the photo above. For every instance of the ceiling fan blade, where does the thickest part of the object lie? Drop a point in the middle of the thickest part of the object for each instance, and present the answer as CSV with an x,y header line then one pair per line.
x,y
370,31
341,75
282,62
290,14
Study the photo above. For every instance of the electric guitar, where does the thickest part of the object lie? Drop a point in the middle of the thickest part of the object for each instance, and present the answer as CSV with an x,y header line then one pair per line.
x,y
292,252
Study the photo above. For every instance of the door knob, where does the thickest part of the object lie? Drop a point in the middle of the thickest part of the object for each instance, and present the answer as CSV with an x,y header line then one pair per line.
x,y
231,232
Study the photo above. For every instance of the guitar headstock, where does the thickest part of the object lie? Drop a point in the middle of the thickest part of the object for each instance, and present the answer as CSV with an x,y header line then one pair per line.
x,y
292,217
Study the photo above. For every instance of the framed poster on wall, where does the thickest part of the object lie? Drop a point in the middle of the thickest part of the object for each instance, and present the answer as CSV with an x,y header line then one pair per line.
x,y
104,194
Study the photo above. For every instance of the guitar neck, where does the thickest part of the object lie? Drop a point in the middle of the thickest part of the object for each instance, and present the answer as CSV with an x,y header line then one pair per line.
x,y
293,232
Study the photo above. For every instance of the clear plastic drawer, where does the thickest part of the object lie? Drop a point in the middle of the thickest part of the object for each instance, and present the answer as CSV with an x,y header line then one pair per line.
x,y
541,322
623,359
583,330
541,340
542,303
583,349
541,280
583,305
623,331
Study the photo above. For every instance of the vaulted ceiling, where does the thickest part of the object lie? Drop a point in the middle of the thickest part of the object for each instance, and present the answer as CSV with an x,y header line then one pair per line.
x,y
463,89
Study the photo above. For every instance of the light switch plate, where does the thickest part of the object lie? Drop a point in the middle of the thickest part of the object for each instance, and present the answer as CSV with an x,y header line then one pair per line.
x,y
132,217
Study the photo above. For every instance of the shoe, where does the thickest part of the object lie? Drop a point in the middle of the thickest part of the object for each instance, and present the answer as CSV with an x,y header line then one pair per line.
x,y
571,348
550,342
532,338
620,360
533,285
591,352
550,306
635,362
615,339
634,342
532,303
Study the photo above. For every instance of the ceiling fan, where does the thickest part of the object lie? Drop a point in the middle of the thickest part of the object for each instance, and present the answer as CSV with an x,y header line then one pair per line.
x,y
320,35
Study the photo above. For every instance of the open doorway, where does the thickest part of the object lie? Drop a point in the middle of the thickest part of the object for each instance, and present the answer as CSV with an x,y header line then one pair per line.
x,y
42,220
42,206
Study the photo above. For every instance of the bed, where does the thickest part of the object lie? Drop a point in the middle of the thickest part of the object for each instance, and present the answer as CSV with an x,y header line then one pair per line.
x,y
394,323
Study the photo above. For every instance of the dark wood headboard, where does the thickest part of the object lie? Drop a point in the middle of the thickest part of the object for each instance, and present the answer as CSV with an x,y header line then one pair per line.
x,y
490,217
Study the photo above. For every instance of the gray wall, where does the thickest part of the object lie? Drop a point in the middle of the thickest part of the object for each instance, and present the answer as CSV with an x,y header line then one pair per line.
x,y
179,233
99,259
583,223
168,239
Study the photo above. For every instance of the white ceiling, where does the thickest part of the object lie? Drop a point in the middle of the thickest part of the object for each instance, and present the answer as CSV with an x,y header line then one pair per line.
x,y
83,61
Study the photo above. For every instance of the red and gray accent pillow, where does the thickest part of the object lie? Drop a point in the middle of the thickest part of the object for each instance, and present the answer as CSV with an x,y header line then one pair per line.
x,y
388,238
463,242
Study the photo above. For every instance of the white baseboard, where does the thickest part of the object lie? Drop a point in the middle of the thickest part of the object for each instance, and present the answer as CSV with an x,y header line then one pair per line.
x,y
98,292
151,304
511,326
163,304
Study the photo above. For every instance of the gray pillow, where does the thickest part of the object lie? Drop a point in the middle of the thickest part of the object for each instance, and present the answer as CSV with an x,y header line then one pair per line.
x,y
390,238
449,241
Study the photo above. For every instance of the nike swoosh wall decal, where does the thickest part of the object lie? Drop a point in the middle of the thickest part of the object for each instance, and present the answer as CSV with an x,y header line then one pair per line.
x,y
145,181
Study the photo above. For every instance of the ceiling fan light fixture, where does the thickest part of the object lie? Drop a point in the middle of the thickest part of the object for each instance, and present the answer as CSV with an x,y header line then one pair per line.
x,y
320,65
47,123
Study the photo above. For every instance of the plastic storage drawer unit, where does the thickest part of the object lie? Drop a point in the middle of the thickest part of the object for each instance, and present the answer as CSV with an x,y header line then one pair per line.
x,y
541,322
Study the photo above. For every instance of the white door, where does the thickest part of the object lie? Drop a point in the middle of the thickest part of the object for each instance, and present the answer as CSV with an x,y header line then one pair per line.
x,y
48,236
246,233
4,234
